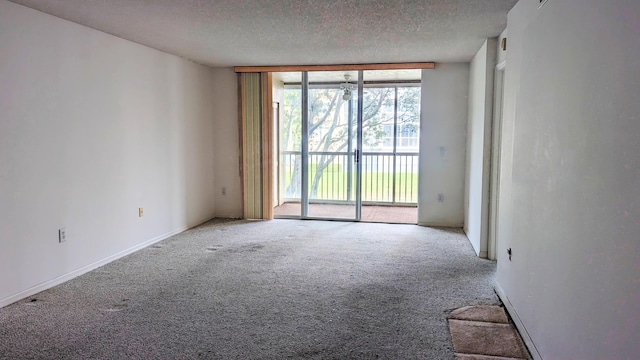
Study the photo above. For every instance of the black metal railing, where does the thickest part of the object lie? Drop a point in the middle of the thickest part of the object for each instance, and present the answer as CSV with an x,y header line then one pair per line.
x,y
387,178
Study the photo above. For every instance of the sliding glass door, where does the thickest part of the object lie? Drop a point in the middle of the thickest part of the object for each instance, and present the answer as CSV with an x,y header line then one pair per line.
x,y
347,139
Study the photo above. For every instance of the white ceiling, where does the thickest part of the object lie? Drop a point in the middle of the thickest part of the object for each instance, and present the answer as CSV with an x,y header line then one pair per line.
x,y
294,32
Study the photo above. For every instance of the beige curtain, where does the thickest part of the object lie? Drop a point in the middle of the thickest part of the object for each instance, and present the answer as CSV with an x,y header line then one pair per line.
x,y
256,129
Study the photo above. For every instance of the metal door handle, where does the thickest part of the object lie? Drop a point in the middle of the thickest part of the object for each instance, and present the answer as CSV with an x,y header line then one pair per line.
x,y
356,156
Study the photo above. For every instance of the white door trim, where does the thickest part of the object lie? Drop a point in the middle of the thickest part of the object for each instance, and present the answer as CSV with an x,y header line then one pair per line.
x,y
496,145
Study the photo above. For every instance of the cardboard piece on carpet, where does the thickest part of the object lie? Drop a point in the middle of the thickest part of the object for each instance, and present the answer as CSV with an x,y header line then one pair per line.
x,y
487,313
485,338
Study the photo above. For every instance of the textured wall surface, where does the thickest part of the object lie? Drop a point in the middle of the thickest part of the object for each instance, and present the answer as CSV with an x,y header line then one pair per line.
x,y
443,138
479,121
570,182
92,128
227,143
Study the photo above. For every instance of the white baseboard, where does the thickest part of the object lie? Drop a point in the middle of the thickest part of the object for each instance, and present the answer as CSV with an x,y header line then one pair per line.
x,y
516,320
85,269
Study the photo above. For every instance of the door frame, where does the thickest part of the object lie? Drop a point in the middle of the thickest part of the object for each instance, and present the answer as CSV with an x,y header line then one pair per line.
x,y
303,84
496,148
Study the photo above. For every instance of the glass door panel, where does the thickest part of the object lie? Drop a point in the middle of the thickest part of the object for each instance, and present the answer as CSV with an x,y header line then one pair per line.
x,y
407,144
288,93
332,144
378,140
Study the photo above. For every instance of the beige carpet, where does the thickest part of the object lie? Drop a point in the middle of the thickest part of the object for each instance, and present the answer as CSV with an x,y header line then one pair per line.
x,y
282,289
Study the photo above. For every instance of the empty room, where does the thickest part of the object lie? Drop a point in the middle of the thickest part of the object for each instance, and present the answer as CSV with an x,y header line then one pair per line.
x,y
319,179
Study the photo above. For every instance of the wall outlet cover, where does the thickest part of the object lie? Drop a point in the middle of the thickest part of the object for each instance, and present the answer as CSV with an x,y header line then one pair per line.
x,y
62,235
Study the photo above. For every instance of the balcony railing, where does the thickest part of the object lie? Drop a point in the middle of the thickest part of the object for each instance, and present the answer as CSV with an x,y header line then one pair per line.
x,y
387,178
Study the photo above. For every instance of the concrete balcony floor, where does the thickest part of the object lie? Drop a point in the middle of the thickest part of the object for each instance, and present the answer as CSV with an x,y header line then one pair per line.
x,y
370,213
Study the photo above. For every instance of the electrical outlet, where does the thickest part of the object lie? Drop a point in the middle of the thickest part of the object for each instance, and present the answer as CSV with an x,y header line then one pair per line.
x,y
440,197
62,235
223,191
140,212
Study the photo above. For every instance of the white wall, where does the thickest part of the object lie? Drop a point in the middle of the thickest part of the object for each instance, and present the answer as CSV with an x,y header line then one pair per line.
x,y
91,128
227,144
570,179
480,116
443,145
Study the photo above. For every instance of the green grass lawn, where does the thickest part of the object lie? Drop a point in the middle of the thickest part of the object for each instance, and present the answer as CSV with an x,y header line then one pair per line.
x,y
376,186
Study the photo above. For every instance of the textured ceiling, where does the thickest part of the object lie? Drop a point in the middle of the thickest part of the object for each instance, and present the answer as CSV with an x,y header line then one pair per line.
x,y
294,32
